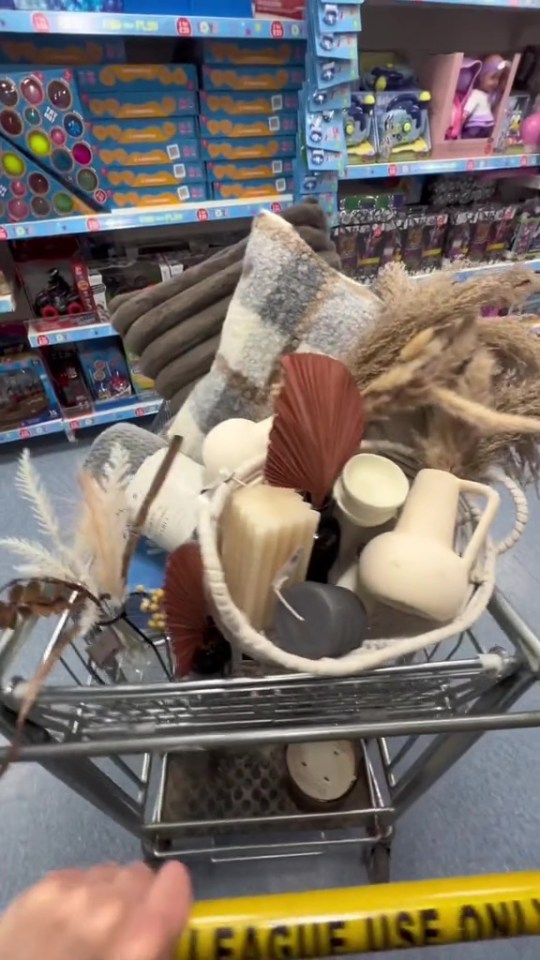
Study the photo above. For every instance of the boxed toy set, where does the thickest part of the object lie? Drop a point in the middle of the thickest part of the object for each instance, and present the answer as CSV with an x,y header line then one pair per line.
x,y
126,78
263,126
159,196
134,132
156,176
236,189
59,51
258,104
68,379
250,148
28,192
105,369
54,278
251,78
255,52
140,105
26,393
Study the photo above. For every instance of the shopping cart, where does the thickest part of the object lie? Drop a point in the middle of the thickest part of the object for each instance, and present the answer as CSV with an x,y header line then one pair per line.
x,y
196,768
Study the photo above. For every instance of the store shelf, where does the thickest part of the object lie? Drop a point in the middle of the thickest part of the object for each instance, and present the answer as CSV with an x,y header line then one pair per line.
x,y
145,25
43,337
139,408
368,171
145,217
37,430
482,269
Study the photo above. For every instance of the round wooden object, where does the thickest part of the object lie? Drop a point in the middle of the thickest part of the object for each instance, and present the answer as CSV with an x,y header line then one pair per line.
x,y
321,775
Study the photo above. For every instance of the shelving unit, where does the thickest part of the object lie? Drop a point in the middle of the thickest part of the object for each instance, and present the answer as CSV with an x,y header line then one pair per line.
x,y
212,210
406,14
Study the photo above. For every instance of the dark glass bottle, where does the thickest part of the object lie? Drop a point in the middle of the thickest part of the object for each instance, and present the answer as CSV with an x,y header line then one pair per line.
x,y
326,546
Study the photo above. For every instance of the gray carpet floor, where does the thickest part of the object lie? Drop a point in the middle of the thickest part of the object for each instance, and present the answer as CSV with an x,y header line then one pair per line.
x,y
482,816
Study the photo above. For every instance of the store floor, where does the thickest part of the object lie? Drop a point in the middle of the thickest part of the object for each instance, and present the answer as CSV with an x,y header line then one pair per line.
x,y
483,816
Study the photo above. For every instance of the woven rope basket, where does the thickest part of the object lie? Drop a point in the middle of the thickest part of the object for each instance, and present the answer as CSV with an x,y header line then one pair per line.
x,y
245,639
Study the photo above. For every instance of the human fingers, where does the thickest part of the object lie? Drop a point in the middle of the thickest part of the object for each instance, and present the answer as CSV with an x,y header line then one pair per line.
x,y
156,922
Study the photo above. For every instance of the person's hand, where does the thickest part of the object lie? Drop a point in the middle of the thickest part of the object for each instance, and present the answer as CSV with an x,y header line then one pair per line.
x,y
109,912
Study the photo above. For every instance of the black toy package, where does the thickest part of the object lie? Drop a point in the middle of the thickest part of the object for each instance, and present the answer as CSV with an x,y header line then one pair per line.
x,y
422,239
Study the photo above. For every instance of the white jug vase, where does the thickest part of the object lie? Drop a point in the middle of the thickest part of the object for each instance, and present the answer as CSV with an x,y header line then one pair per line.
x,y
415,567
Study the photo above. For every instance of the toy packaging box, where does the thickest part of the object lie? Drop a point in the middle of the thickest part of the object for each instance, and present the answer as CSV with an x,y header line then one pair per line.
x,y
27,192
68,379
127,78
342,46
156,176
314,182
57,287
325,73
318,159
422,237
105,369
282,123
257,104
141,383
58,51
402,122
255,52
465,119
291,9
145,156
135,132
333,98
26,393
237,190
502,228
248,169
526,238
360,128
510,139
324,129
140,105
250,148
42,114
252,78
159,196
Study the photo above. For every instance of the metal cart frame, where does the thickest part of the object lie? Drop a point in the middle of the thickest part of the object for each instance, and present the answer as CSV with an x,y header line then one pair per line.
x,y
195,769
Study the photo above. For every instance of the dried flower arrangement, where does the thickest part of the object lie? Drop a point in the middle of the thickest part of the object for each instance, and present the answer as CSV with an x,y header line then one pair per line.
x,y
85,576
432,365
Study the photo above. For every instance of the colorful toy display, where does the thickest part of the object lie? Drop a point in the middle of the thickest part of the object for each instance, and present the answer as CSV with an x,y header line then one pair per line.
x,y
72,6
510,137
127,132
140,105
42,115
59,51
26,394
141,383
235,190
131,77
360,128
252,78
27,192
105,369
479,88
54,286
526,239
156,176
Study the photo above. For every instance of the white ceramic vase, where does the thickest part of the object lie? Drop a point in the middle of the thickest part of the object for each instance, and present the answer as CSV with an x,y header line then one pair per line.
x,y
415,567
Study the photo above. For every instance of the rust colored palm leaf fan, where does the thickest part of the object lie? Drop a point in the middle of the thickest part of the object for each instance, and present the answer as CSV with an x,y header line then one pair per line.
x,y
318,425
185,605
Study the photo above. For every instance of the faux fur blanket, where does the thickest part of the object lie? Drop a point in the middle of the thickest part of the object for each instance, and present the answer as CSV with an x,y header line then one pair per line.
x,y
287,299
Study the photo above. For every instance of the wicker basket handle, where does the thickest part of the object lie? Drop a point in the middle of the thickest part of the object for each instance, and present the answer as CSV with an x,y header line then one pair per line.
x,y
485,519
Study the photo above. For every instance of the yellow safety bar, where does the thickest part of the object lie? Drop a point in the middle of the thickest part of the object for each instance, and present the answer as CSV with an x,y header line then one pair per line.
x,y
324,923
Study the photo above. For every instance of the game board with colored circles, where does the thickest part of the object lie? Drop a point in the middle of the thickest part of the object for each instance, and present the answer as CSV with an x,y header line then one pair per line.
x,y
41,114
29,193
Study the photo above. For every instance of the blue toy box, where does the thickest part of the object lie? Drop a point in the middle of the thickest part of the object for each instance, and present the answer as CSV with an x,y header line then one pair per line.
x,y
247,104
248,169
57,51
314,182
130,133
255,52
105,369
280,123
42,113
343,46
145,77
252,78
150,155
324,129
157,176
254,148
239,190
402,122
159,196
26,393
319,159
361,129
140,105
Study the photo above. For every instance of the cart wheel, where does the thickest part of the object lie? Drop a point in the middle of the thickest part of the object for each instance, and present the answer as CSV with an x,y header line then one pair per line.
x,y
378,864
